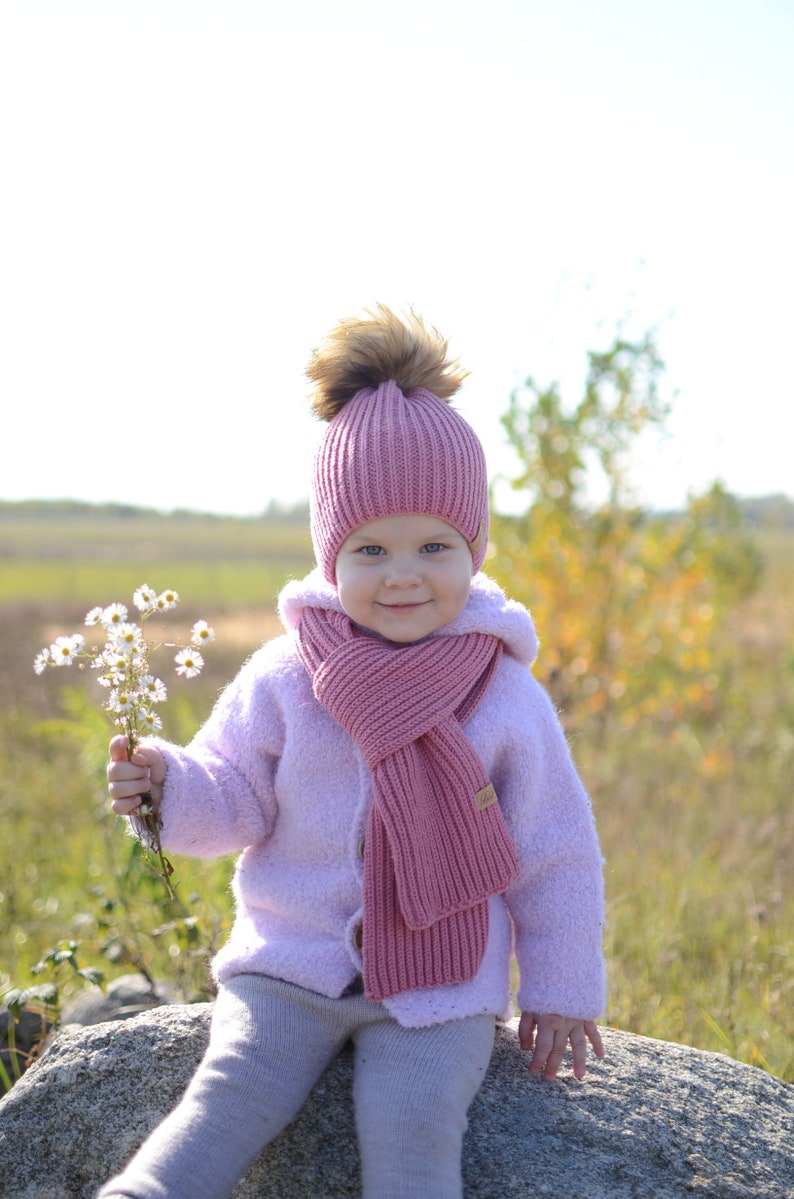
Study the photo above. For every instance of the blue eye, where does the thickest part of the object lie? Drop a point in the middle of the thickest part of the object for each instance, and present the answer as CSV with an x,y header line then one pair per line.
x,y
432,547
371,551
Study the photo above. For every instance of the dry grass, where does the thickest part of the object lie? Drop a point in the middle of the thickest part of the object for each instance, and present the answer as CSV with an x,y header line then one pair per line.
x,y
696,822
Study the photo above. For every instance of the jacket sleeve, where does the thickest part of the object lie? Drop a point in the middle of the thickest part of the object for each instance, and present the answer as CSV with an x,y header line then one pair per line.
x,y
557,903
219,792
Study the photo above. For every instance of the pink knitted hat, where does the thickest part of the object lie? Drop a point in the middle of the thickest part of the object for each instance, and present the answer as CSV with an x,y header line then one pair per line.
x,y
392,446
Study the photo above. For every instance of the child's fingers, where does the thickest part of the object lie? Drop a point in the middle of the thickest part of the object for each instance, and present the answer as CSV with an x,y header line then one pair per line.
x,y
548,1036
526,1030
579,1049
555,1056
118,748
127,782
150,758
591,1028
125,807
543,1050
146,761
124,772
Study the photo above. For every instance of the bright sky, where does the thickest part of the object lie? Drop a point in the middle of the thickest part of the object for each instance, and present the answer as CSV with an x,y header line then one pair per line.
x,y
194,192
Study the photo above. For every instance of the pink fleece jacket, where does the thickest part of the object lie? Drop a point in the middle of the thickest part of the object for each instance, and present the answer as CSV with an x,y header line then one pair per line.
x,y
271,773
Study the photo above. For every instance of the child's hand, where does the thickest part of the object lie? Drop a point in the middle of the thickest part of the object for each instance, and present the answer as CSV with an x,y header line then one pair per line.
x,y
549,1034
129,780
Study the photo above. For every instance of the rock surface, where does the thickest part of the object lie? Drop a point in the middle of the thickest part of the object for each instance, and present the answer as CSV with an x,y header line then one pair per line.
x,y
653,1121
122,999
22,1040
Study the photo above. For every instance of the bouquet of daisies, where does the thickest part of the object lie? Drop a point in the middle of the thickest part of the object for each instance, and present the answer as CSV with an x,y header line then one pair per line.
x,y
133,691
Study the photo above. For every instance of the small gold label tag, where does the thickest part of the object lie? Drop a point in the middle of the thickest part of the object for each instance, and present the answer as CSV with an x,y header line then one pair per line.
x,y
485,797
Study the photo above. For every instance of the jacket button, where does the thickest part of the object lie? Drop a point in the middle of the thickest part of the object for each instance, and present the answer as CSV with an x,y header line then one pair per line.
x,y
358,937
361,846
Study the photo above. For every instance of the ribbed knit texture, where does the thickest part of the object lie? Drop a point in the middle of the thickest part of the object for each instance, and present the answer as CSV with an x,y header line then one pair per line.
x,y
389,454
270,1043
433,856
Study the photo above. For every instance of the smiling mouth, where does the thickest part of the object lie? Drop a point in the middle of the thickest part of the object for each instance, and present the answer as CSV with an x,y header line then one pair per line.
x,y
404,607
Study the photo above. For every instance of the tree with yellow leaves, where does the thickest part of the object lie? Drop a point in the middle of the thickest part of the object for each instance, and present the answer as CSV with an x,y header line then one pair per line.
x,y
629,606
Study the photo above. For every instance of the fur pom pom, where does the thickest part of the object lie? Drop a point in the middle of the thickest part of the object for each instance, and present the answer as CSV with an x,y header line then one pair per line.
x,y
367,351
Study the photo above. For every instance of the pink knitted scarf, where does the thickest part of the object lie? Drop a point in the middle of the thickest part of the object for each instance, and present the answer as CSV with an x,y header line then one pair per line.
x,y
436,843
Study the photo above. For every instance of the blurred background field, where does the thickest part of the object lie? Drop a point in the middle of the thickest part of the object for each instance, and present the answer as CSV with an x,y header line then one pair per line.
x,y
70,552
162,297
673,669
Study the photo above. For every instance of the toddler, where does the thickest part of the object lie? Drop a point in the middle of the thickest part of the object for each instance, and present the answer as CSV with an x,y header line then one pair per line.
x,y
406,806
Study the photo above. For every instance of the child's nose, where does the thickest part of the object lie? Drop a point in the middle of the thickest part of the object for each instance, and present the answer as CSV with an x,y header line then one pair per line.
x,y
403,571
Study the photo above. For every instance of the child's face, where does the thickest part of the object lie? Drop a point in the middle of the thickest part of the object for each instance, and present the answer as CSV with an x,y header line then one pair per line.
x,y
403,577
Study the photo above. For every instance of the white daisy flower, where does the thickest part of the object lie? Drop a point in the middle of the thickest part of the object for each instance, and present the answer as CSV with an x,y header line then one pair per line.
x,y
64,650
127,638
122,669
166,600
154,689
201,633
114,615
114,658
42,661
189,663
144,598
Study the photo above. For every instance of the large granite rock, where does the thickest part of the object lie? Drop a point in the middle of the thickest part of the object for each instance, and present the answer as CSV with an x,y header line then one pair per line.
x,y
653,1121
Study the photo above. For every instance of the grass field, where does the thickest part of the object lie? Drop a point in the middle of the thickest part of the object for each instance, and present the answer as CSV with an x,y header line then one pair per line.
x,y
697,825
224,562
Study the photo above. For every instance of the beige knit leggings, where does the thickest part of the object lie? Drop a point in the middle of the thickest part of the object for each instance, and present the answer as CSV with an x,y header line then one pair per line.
x,y
270,1042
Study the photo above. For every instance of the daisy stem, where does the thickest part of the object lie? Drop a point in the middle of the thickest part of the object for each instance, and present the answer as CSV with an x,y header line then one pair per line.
x,y
150,819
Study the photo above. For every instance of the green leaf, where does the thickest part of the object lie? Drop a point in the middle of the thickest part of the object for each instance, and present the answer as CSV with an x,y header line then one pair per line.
x,y
92,975
15,1000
